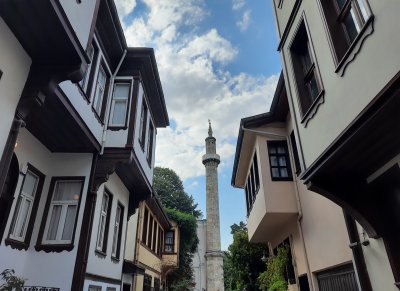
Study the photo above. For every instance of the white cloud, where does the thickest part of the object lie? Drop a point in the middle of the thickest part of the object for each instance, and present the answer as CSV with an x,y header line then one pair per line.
x,y
238,4
197,86
244,23
124,7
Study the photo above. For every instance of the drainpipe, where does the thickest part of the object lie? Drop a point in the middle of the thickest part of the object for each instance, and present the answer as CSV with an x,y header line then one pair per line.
x,y
296,188
108,108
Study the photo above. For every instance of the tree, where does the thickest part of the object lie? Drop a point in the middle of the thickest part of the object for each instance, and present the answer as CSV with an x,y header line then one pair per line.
x,y
181,208
169,188
242,261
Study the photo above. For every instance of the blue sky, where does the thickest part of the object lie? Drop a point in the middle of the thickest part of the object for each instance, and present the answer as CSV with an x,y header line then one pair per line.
x,y
217,60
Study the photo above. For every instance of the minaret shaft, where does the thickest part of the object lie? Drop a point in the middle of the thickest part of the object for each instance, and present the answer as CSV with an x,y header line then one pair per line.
x,y
214,256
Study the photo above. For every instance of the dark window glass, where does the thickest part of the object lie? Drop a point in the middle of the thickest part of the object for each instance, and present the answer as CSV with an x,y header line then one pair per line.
x,y
169,242
147,282
150,144
154,243
149,234
145,220
279,161
143,124
295,153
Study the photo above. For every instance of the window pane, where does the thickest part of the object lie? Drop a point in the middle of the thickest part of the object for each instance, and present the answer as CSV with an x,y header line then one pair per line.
x,y
340,3
54,221
121,91
284,172
274,161
281,150
119,112
104,206
29,186
23,217
351,28
101,231
17,214
69,223
67,191
102,77
282,161
363,9
272,149
115,239
313,88
275,172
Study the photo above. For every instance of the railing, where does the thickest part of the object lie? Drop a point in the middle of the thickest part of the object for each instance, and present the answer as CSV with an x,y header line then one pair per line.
x,y
40,288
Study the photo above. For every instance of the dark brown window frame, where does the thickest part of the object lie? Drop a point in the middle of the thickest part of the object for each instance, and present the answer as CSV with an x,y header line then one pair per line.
x,y
15,244
343,50
86,93
150,233
276,144
150,145
120,226
103,65
302,40
58,247
145,225
143,127
252,184
128,105
166,244
296,158
147,279
103,251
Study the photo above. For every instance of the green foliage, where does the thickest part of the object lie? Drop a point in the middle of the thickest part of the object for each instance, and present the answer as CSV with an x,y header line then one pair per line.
x,y
169,188
181,208
273,279
12,282
242,261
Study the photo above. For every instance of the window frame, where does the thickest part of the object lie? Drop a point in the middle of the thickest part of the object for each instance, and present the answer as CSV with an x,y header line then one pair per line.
x,y
58,245
146,281
296,157
172,245
252,185
145,228
100,114
150,145
143,122
341,46
102,249
114,100
288,167
117,232
307,101
24,241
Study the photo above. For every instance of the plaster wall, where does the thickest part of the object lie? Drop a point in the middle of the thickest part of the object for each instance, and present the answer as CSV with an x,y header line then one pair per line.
x,y
15,64
100,284
131,236
283,14
142,153
80,15
83,108
362,81
199,260
105,265
148,258
41,268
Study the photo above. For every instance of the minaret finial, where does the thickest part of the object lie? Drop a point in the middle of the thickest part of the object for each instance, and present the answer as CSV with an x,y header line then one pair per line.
x,y
210,133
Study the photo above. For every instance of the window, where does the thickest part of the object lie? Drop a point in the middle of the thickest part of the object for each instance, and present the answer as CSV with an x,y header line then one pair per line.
x,y
145,221
295,153
159,245
150,233
143,124
26,207
62,210
157,284
309,84
150,144
111,289
279,161
94,288
119,218
119,104
252,184
104,222
147,282
345,20
169,242
85,81
100,91
154,243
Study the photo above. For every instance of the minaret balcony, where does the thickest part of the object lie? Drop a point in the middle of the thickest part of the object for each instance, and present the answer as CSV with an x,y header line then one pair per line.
x,y
211,157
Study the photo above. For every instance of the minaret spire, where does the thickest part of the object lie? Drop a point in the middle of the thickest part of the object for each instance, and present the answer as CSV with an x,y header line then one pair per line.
x,y
214,256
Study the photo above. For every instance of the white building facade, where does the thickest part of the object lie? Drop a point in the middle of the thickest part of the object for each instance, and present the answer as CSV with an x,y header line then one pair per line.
x,y
79,112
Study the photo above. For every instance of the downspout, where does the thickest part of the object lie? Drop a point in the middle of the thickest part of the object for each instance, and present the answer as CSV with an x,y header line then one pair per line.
x,y
108,108
296,188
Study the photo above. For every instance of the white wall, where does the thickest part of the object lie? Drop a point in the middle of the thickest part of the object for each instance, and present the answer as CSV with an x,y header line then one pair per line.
x,y
199,260
41,268
105,266
130,246
15,64
100,284
142,154
80,16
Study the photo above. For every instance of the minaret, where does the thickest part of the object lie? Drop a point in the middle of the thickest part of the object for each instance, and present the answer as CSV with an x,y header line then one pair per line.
x,y
214,256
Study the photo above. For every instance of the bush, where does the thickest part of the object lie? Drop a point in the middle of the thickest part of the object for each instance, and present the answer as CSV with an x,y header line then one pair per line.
x,y
273,279
12,282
